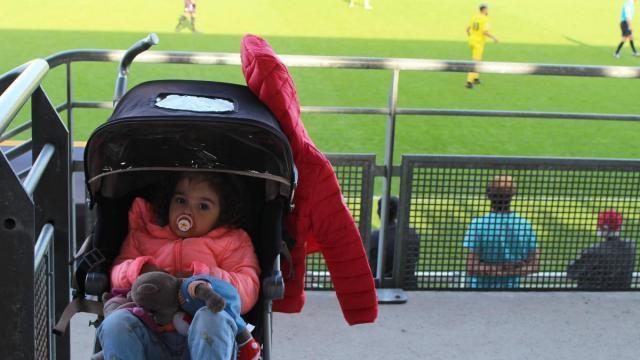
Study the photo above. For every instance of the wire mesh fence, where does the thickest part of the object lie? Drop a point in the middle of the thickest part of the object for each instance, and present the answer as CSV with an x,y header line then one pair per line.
x,y
355,176
42,324
520,223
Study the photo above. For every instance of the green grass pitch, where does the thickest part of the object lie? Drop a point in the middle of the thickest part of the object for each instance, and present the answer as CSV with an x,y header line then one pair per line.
x,y
543,31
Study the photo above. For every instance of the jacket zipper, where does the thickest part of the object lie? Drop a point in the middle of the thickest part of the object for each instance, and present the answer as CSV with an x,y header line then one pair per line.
x,y
177,255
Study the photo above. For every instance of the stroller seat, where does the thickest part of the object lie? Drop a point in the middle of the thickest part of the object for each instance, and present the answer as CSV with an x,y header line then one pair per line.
x,y
146,141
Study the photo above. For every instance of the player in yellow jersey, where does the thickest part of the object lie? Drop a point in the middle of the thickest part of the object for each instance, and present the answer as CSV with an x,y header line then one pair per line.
x,y
478,31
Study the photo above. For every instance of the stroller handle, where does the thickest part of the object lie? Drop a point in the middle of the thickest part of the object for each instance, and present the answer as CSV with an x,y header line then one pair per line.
x,y
127,59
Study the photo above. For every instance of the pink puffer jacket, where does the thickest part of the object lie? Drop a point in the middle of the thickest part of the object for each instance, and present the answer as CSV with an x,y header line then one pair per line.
x,y
320,221
224,253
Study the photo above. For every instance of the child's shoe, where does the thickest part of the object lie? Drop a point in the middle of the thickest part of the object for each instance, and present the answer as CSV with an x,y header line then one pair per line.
x,y
250,350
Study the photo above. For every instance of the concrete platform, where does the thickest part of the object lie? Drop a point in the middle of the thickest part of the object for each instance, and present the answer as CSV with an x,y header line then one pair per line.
x,y
455,325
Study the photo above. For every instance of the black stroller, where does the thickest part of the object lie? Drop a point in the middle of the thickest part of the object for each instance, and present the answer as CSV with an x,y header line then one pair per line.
x,y
162,127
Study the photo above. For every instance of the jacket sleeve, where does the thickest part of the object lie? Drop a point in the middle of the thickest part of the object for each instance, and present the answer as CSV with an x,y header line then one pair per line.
x,y
341,246
580,268
240,268
127,265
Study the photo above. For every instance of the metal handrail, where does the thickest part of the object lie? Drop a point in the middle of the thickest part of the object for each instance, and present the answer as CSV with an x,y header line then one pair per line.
x,y
20,91
401,64
205,58
425,112
42,244
123,70
15,131
38,168
348,62
19,150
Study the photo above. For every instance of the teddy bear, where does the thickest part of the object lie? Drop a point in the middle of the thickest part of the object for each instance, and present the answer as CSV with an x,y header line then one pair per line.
x,y
156,299
162,301
160,295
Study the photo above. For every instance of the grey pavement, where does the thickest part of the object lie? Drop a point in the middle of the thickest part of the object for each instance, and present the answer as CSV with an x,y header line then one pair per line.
x,y
454,325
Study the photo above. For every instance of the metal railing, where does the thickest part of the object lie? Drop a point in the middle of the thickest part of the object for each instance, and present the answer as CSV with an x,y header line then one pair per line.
x,y
396,66
54,147
35,232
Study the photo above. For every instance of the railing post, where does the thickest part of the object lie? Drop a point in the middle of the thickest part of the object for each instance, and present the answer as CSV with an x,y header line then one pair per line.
x,y
386,180
52,197
72,226
392,295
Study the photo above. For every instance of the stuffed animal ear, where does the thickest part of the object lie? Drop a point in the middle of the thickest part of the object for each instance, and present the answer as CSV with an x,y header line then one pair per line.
x,y
146,289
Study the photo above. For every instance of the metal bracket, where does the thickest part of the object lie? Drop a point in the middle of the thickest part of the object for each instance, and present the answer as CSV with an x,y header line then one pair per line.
x,y
391,296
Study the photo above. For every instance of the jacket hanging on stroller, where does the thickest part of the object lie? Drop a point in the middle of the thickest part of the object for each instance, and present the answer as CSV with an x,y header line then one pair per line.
x,y
320,221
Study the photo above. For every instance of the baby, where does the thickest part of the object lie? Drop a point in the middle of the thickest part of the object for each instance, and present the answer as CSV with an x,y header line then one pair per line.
x,y
198,234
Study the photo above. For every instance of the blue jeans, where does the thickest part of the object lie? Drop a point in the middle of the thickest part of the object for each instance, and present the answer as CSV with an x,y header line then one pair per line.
x,y
211,336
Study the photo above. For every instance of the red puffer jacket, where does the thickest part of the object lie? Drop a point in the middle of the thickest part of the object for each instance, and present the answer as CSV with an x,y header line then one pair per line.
x,y
320,221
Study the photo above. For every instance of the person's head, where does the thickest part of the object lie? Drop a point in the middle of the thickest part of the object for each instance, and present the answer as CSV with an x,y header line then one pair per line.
x,y
202,202
609,223
393,208
500,191
484,9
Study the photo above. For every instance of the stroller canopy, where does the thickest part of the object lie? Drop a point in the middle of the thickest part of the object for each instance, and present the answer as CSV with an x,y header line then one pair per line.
x,y
182,125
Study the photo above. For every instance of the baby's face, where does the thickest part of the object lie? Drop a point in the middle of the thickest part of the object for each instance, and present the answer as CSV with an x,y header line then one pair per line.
x,y
197,200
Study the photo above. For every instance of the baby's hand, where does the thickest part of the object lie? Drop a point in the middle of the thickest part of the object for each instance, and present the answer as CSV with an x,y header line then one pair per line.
x,y
184,274
150,268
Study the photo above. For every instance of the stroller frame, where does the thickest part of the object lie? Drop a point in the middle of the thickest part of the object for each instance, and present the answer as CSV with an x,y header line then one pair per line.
x,y
278,187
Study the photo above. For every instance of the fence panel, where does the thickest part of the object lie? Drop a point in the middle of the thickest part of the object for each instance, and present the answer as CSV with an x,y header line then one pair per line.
x,y
355,175
43,291
560,198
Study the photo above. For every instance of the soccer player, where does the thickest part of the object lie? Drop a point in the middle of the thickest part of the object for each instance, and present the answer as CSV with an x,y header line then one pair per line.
x,y
478,31
367,5
628,9
188,19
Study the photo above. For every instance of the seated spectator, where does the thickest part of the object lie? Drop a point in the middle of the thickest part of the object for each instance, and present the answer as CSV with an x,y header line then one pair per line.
x,y
413,245
609,264
502,245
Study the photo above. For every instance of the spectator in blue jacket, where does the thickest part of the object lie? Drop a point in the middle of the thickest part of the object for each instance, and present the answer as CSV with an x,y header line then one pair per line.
x,y
502,245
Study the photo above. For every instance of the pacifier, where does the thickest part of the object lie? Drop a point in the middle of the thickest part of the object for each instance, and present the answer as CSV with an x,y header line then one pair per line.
x,y
184,222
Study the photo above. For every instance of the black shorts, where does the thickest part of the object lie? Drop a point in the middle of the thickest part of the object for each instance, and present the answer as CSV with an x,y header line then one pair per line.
x,y
624,26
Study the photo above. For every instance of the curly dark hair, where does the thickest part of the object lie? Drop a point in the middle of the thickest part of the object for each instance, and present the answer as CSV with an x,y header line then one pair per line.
x,y
500,191
229,190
